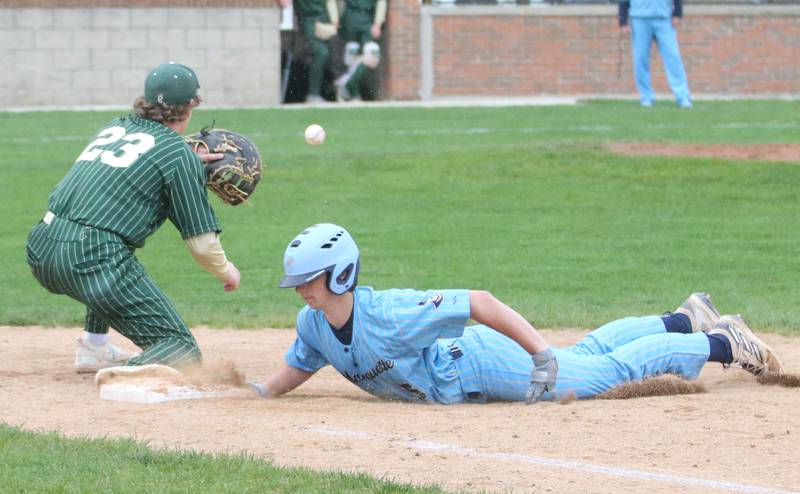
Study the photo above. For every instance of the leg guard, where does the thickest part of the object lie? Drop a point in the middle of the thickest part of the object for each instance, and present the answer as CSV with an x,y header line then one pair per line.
x,y
351,53
372,54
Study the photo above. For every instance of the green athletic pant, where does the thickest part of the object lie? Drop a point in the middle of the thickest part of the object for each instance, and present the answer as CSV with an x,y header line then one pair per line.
x,y
320,51
96,268
356,24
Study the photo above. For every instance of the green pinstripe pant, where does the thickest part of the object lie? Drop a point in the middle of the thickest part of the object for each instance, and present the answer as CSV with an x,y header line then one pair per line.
x,y
320,53
96,268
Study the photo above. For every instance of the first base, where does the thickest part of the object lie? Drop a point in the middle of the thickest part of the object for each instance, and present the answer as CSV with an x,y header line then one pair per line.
x,y
158,392
155,383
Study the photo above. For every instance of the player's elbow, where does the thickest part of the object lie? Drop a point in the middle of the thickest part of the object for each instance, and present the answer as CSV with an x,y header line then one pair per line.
x,y
481,301
480,294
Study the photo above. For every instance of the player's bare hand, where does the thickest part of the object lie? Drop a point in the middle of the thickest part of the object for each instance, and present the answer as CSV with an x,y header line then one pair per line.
x,y
676,22
543,375
375,31
232,280
206,157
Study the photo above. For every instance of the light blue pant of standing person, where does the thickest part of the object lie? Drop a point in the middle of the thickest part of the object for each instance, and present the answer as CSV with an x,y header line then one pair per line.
x,y
643,30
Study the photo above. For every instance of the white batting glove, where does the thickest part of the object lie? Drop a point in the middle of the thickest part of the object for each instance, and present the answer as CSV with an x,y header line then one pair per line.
x,y
543,375
259,388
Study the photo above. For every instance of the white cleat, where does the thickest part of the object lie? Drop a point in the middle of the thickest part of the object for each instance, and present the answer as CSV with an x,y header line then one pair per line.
x,y
701,312
92,358
749,352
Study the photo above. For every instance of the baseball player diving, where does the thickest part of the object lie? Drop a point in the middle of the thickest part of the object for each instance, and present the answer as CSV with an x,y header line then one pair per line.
x,y
135,174
416,345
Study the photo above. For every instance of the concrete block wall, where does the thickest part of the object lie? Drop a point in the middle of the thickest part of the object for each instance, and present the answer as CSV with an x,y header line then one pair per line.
x,y
90,55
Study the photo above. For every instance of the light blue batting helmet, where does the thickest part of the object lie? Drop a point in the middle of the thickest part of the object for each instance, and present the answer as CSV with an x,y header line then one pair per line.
x,y
319,249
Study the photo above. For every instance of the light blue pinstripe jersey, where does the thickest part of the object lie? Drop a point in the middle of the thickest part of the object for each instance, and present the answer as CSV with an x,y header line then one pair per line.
x,y
394,351
404,340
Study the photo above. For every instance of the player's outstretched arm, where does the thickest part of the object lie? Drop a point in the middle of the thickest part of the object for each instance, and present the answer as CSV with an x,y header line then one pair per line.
x,y
281,382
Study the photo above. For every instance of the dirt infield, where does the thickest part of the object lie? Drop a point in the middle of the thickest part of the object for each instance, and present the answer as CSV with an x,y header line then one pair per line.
x,y
762,152
738,436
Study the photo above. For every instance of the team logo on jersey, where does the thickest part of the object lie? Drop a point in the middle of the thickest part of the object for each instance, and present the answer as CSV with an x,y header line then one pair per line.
x,y
435,300
381,367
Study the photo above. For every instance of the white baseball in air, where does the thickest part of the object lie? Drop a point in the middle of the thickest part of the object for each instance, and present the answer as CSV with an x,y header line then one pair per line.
x,y
315,135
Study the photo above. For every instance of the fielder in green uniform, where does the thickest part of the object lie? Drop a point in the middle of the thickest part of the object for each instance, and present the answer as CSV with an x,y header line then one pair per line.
x,y
135,174
362,25
318,20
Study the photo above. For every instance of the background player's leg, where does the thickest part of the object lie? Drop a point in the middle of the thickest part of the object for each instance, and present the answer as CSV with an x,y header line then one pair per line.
x,y
320,55
641,43
610,336
353,85
667,42
367,42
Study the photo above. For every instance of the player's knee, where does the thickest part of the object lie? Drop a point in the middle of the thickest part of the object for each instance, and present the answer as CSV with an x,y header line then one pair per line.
x,y
351,53
372,54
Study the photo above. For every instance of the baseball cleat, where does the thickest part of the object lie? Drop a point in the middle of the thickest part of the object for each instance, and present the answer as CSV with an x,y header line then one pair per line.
x,y
749,352
92,358
701,312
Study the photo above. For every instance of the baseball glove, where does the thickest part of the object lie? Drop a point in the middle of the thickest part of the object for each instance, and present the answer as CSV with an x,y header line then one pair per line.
x,y
234,177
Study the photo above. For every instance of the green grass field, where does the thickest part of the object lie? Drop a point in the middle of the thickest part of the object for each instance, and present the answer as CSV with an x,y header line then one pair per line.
x,y
49,463
522,201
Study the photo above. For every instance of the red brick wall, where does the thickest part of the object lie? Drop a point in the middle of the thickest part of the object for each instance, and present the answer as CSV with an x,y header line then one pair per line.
x,y
746,55
402,50
524,55
730,53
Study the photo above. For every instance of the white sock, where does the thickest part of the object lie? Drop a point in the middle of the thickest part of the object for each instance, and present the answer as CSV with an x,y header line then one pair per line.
x,y
96,339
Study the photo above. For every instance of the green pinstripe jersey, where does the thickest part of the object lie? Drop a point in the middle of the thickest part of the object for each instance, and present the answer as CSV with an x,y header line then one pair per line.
x,y
368,5
132,177
310,8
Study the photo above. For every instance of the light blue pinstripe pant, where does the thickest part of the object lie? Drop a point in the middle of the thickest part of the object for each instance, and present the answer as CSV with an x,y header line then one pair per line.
x,y
621,351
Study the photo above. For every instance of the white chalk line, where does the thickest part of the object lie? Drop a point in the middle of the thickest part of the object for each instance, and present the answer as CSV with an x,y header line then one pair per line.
x,y
682,480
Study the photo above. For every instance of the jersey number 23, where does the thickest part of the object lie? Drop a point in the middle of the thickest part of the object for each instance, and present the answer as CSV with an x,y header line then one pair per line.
x,y
135,145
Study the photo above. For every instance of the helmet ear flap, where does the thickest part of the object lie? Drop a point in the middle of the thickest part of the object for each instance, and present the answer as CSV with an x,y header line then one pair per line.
x,y
342,278
345,280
